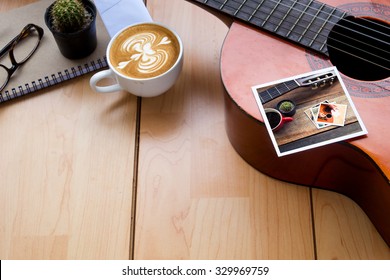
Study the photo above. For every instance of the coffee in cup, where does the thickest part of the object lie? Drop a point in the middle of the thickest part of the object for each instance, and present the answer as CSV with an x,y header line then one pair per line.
x,y
275,119
145,59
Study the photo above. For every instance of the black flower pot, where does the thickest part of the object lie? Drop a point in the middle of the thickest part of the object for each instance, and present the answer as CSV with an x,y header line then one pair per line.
x,y
288,112
78,44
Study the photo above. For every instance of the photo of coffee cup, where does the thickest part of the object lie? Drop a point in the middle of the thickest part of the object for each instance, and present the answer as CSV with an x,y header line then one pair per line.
x,y
145,59
275,119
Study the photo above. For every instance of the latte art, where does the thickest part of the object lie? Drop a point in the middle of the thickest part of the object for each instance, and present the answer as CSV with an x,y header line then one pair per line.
x,y
144,52
148,56
144,59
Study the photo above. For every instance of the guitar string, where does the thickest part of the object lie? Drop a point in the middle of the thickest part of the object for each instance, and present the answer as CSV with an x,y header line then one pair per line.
x,y
317,10
319,34
354,47
352,54
245,2
361,42
269,94
339,18
225,4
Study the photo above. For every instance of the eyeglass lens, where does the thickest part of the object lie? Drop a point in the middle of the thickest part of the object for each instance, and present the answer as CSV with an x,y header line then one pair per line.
x,y
21,51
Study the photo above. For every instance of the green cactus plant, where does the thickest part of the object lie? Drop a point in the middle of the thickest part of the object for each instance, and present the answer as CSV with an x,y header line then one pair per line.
x,y
286,106
69,16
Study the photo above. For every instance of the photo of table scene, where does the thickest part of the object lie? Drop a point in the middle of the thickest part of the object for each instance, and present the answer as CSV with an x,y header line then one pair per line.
x,y
323,111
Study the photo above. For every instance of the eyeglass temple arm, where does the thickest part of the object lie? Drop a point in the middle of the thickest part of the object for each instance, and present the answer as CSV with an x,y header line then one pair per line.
x,y
7,47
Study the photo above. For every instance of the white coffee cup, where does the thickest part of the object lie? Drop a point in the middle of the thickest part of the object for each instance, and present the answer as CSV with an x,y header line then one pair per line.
x,y
145,59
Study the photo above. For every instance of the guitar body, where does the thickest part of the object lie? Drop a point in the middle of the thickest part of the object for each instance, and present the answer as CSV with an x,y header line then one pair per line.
x,y
359,168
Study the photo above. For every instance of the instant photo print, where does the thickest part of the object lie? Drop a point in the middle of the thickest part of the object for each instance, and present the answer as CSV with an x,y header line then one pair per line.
x,y
323,111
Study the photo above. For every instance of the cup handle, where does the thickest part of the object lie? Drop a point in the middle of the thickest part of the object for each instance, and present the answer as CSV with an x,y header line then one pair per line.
x,y
100,76
287,119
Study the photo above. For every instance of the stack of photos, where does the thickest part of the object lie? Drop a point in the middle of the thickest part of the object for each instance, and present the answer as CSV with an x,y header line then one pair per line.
x,y
327,113
321,111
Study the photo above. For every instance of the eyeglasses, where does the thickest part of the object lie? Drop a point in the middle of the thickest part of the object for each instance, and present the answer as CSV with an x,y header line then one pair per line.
x,y
20,49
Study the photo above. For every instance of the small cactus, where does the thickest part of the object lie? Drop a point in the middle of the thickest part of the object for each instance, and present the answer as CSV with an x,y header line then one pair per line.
x,y
69,16
286,106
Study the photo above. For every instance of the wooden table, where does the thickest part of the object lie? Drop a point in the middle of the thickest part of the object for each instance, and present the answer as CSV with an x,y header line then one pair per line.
x,y
87,176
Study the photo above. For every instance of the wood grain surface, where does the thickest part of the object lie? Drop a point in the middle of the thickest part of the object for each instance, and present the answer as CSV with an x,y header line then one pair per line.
x,y
87,176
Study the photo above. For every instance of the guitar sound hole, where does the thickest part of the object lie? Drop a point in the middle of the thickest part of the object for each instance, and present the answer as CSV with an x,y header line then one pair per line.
x,y
359,48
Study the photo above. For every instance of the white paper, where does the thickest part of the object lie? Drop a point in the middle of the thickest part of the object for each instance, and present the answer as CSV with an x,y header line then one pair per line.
x,y
117,14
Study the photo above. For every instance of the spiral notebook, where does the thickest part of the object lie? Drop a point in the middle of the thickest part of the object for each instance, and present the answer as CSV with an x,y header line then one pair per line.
x,y
47,67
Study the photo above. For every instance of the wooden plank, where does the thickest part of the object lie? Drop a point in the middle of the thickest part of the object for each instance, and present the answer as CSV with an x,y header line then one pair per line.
x,y
343,231
66,172
197,199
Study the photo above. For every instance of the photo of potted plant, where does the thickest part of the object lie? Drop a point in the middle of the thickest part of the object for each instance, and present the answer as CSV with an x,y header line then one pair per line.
x,y
286,107
73,25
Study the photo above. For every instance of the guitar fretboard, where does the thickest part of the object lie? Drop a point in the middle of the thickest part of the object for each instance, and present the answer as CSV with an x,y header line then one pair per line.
x,y
305,22
277,91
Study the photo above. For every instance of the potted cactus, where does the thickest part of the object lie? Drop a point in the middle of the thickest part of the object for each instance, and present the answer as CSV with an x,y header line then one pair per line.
x,y
286,107
73,25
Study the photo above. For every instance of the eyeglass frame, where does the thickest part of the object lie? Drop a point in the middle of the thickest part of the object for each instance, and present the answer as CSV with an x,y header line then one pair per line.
x,y
9,48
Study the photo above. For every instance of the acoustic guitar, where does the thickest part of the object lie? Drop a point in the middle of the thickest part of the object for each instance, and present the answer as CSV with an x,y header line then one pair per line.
x,y
270,40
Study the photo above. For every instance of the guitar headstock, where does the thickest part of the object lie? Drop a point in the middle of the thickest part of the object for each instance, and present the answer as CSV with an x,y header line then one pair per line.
x,y
317,80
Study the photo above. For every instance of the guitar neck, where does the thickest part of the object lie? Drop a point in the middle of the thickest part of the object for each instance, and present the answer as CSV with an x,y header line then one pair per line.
x,y
277,91
304,22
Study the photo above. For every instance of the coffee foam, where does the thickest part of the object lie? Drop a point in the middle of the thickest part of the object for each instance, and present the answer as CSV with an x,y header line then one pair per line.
x,y
144,51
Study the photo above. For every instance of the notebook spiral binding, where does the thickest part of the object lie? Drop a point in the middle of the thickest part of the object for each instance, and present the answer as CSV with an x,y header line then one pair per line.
x,y
54,79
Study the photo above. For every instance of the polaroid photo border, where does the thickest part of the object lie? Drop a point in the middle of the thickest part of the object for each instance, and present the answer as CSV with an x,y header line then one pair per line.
x,y
327,137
